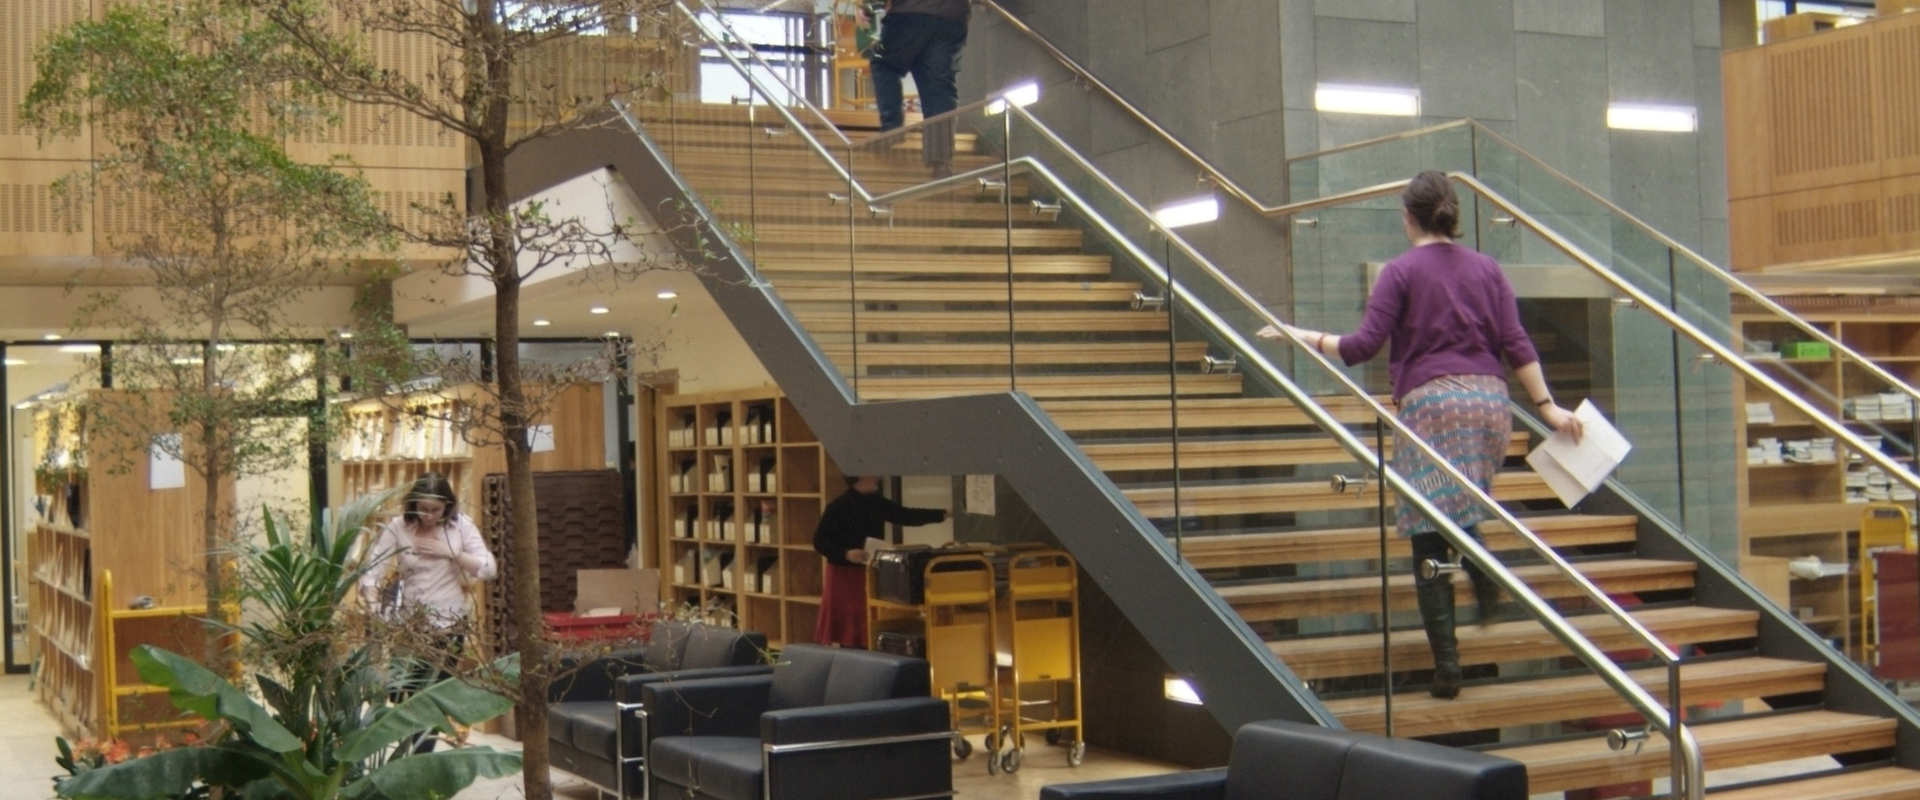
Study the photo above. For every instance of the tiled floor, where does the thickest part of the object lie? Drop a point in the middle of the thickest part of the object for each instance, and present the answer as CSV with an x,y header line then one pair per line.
x,y
27,750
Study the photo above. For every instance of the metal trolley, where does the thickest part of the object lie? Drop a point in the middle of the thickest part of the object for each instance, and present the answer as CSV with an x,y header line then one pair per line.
x,y
1039,687
954,628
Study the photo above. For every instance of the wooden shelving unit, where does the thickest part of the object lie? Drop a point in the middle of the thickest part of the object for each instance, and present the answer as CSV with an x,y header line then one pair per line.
x,y
150,539
1792,510
390,443
745,480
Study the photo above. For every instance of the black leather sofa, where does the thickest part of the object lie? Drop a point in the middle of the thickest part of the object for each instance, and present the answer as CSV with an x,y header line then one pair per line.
x,y
593,708
1276,760
827,724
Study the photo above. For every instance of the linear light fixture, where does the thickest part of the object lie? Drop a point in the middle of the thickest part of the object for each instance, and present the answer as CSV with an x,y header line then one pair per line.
x,y
80,348
1180,691
1188,212
667,294
16,362
1346,98
1021,95
541,323
599,310
1645,117
51,337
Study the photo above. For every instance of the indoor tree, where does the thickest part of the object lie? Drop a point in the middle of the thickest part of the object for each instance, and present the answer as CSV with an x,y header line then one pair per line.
x,y
499,74
189,103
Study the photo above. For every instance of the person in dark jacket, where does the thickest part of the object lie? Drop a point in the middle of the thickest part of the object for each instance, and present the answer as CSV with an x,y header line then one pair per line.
x,y
922,38
845,526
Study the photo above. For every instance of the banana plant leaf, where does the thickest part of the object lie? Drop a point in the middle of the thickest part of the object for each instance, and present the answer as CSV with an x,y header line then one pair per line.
x,y
195,688
169,774
432,776
431,707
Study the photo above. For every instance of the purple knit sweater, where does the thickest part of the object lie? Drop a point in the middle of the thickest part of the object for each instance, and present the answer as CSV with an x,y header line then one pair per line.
x,y
1446,310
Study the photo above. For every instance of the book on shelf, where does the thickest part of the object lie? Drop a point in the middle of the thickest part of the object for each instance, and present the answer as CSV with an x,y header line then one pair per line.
x,y
720,478
686,568
720,434
684,432
688,525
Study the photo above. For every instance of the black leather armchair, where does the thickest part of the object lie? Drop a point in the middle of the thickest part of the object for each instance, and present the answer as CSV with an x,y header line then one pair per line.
x,y
1277,760
827,724
593,716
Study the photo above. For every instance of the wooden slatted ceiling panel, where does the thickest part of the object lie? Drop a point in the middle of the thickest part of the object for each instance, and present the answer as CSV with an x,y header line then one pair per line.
x,y
1899,51
1822,107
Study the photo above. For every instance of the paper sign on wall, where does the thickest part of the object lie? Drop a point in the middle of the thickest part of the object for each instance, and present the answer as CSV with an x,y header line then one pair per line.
x,y
540,438
164,470
980,494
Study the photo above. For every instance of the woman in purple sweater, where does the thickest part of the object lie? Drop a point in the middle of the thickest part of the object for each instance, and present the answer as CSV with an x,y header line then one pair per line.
x,y
1450,317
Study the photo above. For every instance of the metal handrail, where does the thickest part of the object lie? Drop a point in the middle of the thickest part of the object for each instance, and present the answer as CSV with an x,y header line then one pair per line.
x,y
1227,184
754,54
1689,761
1687,772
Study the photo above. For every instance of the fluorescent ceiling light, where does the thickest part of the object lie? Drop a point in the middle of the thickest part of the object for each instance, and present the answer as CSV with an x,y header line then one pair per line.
x,y
80,348
1189,212
600,310
1180,691
186,360
346,334
1642,117
613,334
16,362
1023,95
1378,100
541,323
667,294
51,337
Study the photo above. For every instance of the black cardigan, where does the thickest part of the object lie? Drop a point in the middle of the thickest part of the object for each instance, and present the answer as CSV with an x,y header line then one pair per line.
x,y
852,518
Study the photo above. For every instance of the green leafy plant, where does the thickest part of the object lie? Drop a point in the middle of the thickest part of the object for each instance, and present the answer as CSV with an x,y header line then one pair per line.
x,y
261,757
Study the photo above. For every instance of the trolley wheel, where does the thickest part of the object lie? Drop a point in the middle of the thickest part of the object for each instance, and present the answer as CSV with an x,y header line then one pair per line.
x,y
1053,736
962,749
1077,754
989,745
993,761
1010,761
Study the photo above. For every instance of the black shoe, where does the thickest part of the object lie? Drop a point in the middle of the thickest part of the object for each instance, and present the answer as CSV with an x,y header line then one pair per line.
x,y
1446,680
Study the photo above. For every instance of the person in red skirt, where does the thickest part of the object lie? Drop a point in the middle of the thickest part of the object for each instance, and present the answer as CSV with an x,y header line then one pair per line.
x,y
845,526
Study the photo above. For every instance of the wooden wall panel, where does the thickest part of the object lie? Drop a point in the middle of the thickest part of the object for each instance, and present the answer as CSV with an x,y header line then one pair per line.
x,y
1744,75
33,222
1900,204
24,25
1897,80
1833,222
402,193
1750,227
1821,111
377,136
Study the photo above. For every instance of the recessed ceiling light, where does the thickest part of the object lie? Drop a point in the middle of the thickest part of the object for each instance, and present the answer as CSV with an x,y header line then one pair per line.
x,y
667,294
51,337
346,334
613,334
599,310
16,362
80,348
541,323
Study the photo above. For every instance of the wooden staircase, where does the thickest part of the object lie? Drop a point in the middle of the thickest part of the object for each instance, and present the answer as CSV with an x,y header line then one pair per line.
x,y
921,310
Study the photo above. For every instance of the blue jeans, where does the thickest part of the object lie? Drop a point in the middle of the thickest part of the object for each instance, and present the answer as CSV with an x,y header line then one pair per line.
x,y
928,48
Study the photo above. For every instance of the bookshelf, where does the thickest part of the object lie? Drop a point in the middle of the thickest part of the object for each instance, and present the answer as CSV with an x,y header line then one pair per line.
x,y
1799,493
92,525
745,480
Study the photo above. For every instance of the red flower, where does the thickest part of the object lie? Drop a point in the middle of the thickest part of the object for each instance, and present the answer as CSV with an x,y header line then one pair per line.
x,y
118,752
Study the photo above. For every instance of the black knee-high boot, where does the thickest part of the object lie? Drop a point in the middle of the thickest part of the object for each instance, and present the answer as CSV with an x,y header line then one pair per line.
x,y
1436,613
1486,595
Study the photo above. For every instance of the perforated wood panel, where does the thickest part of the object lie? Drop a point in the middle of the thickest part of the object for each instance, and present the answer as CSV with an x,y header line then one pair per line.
x,y
1899,54
33,222
24,24
1822,108
402,193
378,136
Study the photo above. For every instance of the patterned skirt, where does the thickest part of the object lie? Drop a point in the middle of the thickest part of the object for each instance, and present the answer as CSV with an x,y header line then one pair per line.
x,y
1466,419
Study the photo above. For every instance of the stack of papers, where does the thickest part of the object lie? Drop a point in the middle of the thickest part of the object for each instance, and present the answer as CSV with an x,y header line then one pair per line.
x,y
1767,450
1896,407
1865,408
1811,451
1760,413
1572,470
1884,406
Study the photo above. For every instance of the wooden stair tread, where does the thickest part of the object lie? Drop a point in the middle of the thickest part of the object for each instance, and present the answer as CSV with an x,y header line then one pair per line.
x,y
1293,496
943,238
805,290
1026,321
1024,353
1341,544
1573,697
1359,654
1885,783
1078,385
769,258
1248,412
1577,763
1125,456
1264,602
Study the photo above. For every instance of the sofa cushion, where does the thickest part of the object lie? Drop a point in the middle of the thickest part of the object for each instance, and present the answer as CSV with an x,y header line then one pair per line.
x,y
708,646
560,717
726,767
1382,769
862,675
1307,759
665,646
594,733
800,676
